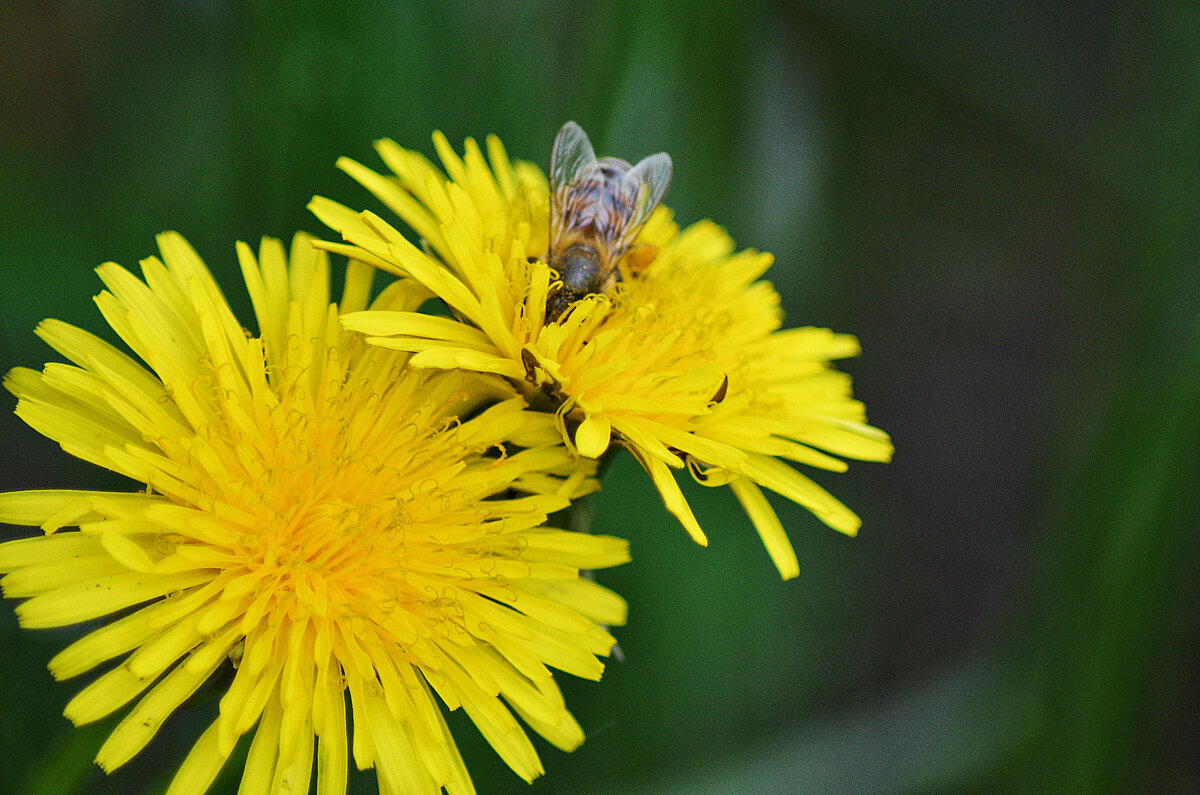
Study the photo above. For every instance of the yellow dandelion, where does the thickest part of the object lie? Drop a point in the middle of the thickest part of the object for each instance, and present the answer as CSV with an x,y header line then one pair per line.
x,y
682,362
331,523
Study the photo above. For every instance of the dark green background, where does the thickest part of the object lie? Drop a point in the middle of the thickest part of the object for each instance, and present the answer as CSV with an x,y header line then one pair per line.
x,y
1001,200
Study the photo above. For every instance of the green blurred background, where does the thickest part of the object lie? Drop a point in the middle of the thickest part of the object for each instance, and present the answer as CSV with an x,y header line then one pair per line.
x,y
1001,200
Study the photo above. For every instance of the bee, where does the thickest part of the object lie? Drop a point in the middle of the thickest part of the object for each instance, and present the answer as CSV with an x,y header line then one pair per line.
x,y
597,208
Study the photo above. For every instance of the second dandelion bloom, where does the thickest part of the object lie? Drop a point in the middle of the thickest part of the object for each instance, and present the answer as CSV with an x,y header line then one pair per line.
x,y
337,527
680,357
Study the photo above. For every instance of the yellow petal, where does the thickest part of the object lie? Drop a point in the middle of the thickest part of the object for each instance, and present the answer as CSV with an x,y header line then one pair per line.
x,y
668,489
770,529
593,435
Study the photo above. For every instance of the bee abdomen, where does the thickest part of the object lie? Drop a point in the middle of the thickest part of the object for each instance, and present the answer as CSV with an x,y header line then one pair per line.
x,y
579,268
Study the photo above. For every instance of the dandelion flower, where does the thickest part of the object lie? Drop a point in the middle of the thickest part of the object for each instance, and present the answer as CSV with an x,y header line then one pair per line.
x,y
335,525
684,362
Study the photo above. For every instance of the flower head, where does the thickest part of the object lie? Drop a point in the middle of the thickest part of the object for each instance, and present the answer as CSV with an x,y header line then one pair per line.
x,y
317,514
683,362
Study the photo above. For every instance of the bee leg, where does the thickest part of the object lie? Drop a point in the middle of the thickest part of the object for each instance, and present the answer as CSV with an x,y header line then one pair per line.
x,y
557,304
639,257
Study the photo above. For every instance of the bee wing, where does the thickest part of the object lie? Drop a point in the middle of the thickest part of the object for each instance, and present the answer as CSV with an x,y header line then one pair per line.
x,y
643,188
571,153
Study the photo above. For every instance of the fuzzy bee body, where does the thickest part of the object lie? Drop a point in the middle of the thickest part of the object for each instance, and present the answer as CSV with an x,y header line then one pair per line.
x,y
597,208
